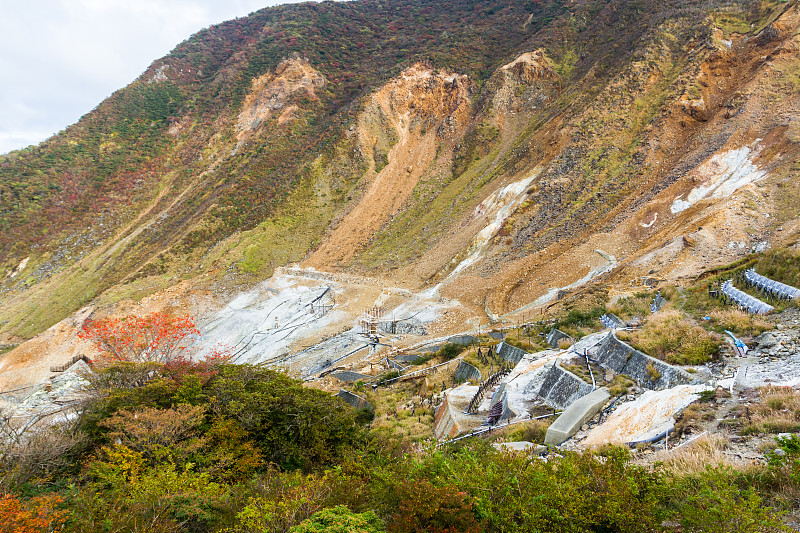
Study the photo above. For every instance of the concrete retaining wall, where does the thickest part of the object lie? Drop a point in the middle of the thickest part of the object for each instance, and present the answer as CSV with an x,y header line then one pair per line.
x,y
615,355
510,353
576,415
395,365
466,372
561,388
354,400
556,335
350,377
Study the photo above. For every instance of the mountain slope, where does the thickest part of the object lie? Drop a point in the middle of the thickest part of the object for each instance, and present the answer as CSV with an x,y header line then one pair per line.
x,y
489,146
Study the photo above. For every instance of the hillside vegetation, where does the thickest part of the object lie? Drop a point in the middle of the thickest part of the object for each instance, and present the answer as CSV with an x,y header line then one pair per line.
x,y
247,146
218,447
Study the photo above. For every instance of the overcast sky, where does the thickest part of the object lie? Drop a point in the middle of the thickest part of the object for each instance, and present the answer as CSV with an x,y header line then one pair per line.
x,y
60,58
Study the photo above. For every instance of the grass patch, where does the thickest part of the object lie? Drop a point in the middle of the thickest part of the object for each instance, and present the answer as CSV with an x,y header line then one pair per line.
x,y
522,343
636,305
738,322
531,431
672,337
731,23
619,385
694,417
777,410
707,450
579,370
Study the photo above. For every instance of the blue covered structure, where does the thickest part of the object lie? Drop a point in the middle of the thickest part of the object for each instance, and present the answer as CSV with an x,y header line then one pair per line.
x,y
774,289
749,303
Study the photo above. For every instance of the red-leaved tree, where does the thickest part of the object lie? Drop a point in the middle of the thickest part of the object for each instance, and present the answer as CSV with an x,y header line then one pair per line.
x,y
38,515
158,337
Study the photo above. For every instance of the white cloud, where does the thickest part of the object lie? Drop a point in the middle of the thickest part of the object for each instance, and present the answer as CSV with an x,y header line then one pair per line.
x,y
60,58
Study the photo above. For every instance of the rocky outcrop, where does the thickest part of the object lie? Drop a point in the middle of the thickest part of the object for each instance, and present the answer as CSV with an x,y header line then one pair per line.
x,y
273,94
526,84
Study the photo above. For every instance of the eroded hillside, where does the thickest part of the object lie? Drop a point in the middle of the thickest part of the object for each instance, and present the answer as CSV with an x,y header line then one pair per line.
x,y
476,159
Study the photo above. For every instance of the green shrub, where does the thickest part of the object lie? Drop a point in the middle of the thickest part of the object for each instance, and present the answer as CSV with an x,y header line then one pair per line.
x,y
123,493
340,519
574,493
424,507
450,351
293,426
711,502
287,423
581,318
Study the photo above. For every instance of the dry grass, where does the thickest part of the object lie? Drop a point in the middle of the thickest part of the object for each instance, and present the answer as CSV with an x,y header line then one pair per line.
x,y
776,411
694,418
671,336
619,385
708,450
532,431
635,305
739,322
563,344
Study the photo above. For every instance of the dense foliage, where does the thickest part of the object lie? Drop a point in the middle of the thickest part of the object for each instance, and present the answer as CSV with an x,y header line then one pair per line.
x,y
244,449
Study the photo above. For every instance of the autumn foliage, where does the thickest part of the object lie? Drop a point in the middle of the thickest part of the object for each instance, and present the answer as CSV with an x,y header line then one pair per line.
x,y
33,516
158,337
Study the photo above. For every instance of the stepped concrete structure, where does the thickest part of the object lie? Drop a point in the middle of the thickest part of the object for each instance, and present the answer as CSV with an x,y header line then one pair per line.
x,y
540,378
450,420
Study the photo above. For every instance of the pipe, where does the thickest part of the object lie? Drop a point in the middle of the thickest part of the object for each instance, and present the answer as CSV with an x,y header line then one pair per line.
x,y
594,385
651,440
